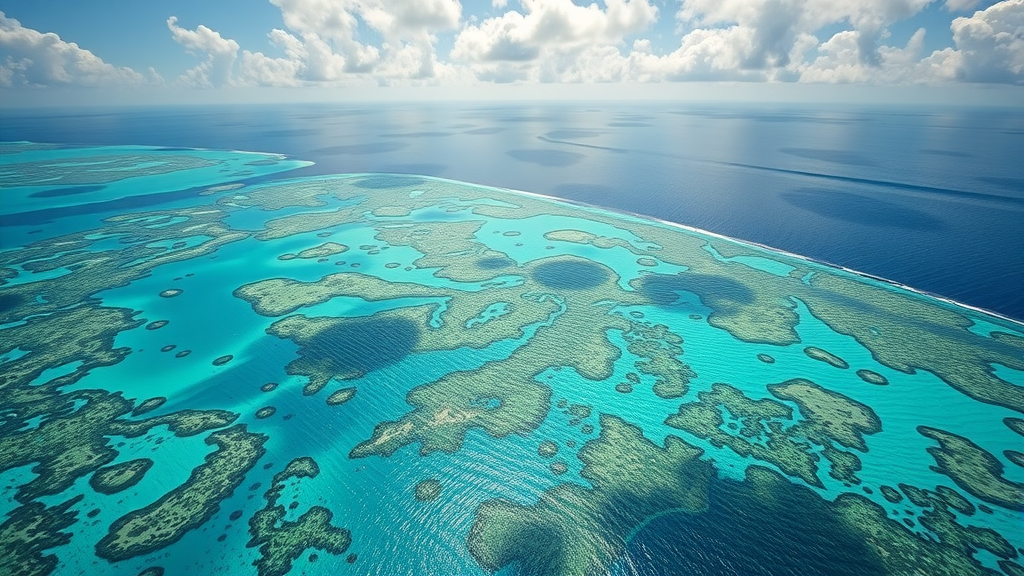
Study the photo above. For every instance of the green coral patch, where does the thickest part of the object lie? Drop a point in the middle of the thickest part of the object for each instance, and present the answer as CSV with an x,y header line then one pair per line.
x,y
973,469
826,357
281,542
189,505
118,477
427,490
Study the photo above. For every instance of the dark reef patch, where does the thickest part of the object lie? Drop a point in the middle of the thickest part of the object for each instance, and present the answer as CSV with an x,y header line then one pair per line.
x,y
547,449
352,348
494,263
68,191
872,377
341,396
731,537
891,494
149,405
428,490
570,275
11,301
826,357
718,292
118,477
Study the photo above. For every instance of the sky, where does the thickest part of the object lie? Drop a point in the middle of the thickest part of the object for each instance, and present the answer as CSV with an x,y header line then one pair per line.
x,y
64,51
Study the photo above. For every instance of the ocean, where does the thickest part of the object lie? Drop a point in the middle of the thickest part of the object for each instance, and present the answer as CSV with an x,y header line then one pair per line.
x,y
930,198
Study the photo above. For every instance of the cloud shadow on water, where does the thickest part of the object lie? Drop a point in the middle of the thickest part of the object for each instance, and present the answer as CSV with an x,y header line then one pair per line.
x,y
417,135
1012,184
363,345
858,209
485,131
719,292
360,149
572,134
570,275
834,156
293,133
950,153
549,158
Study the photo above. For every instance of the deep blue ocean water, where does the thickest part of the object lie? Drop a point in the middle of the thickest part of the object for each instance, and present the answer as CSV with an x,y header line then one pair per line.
x,y
931,198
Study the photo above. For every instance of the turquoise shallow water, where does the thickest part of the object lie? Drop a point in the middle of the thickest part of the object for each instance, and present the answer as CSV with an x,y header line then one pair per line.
x,y
373,497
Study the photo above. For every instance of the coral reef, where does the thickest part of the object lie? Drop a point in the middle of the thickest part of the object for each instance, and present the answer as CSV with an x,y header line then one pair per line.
x,y
281,541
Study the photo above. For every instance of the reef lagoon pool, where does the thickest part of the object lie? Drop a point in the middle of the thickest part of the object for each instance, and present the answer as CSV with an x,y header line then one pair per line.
x,y
209,368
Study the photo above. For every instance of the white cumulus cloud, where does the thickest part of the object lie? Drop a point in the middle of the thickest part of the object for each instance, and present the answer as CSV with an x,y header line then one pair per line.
x,y
553,40
31,58
329,30
393,42
990,44
218,52
768,29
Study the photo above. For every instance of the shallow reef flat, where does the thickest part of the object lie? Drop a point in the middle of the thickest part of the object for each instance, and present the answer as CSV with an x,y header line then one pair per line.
x,y
392,373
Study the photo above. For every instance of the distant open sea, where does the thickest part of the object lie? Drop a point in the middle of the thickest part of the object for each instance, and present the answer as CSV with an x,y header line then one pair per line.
x,y
931,198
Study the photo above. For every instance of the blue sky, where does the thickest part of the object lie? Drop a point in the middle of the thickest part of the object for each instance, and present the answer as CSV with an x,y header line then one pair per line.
x,y
234,45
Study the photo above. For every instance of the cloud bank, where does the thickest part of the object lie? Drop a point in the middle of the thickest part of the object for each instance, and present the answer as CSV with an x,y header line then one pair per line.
x,y
396,42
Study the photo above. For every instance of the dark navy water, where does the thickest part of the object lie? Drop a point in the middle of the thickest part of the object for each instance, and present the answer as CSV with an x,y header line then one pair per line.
x,y
930,198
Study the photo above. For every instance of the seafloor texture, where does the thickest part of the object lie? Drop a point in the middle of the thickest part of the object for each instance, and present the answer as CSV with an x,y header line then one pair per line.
x,y
361,373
